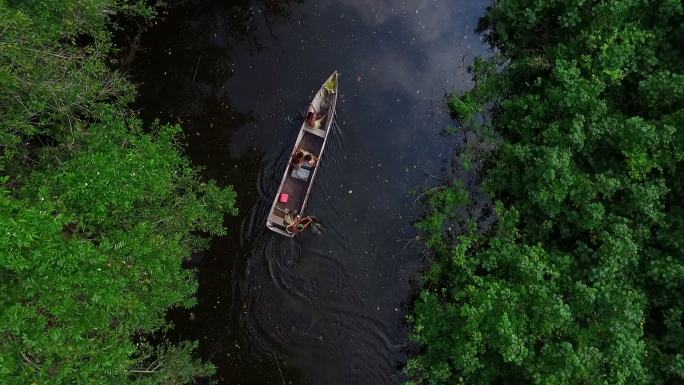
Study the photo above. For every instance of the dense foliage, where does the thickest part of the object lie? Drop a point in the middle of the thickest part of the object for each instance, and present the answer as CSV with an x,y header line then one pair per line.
x,y
581,281
96,214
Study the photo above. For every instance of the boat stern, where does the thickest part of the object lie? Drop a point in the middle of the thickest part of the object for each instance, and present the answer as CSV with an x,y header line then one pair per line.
x,y
278,229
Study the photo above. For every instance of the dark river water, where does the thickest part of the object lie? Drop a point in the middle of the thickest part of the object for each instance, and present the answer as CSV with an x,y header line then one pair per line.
x,y
316,309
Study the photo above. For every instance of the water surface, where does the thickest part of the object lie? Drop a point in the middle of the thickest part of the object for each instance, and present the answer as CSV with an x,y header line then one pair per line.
x,y
317,309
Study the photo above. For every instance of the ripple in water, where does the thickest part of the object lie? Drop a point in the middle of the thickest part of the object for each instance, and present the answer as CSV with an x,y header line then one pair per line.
x,y
299,296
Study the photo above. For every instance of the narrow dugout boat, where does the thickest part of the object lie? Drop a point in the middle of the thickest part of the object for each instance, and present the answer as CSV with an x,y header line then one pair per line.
x,y
287,212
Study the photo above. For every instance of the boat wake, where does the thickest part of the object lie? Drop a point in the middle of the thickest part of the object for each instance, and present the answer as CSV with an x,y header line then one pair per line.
x,y
305,297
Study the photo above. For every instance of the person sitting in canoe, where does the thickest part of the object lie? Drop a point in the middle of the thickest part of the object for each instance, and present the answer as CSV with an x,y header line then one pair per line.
x,y
303,157
291,216
313,119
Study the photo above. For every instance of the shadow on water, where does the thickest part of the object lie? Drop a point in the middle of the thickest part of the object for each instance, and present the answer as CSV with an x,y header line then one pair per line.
x,y
237,75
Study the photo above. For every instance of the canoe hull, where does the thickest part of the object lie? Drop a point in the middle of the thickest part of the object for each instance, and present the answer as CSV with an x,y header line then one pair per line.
x,y
311,140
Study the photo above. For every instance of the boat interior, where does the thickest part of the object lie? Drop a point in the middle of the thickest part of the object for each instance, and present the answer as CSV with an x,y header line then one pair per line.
x,y
296,185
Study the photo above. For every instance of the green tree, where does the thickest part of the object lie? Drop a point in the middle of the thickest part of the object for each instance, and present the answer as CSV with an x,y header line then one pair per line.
x,y
581,279
97,213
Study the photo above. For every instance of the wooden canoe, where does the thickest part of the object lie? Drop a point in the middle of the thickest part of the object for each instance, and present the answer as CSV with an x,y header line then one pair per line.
x,y
300,171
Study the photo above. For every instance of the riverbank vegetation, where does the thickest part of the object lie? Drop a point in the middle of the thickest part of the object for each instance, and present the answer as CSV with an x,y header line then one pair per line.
x,y
97,212
581,278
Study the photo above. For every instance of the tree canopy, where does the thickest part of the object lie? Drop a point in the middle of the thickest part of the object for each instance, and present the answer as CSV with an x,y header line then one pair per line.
x,y
581,280
97,212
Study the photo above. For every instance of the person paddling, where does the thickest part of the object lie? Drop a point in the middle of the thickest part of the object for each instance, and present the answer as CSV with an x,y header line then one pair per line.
x,y
300,224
